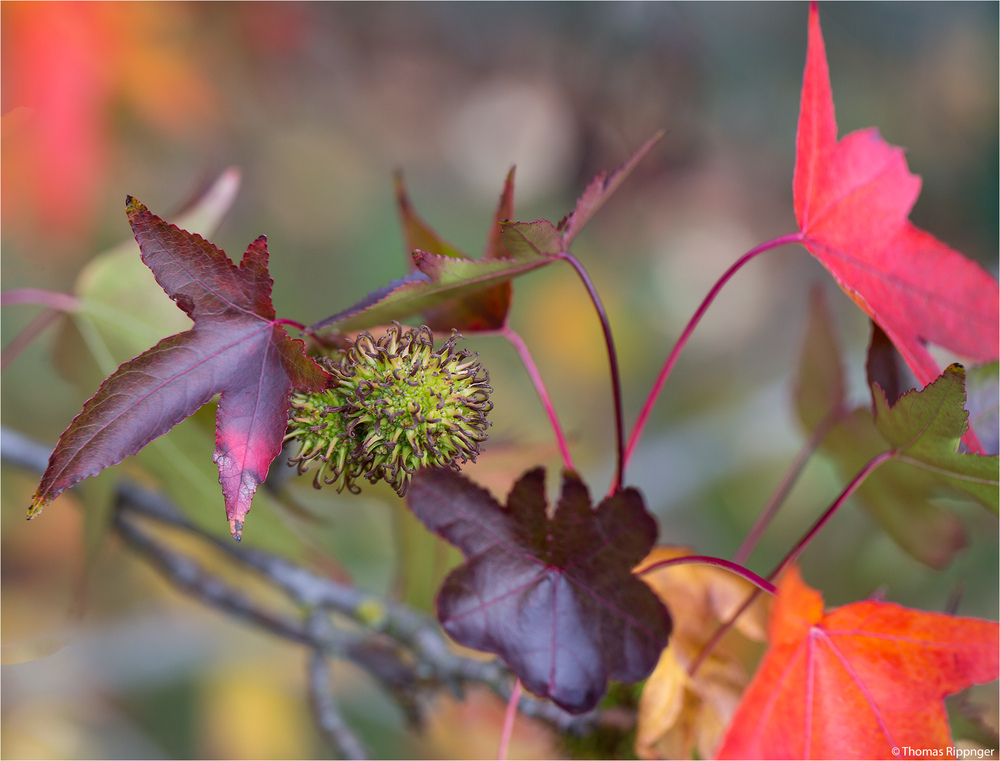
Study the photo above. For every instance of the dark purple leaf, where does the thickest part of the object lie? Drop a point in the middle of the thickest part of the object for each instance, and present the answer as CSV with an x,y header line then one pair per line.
x,y
236,348
554,597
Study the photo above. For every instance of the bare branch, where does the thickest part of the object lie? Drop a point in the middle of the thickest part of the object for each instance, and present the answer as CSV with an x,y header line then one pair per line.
x,y
401,648
334,728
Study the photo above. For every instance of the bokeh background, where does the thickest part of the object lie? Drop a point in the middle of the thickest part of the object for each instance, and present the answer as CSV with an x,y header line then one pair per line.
x,y
317,104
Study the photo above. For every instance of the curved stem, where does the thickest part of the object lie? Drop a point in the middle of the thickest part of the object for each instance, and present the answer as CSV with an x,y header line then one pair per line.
x,y
794,552
25,338
536,380
668,365
727,565
791,476
65,302
866,471
508,720
616,385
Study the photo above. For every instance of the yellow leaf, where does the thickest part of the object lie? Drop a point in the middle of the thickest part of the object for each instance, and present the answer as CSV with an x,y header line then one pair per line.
x,y
678,713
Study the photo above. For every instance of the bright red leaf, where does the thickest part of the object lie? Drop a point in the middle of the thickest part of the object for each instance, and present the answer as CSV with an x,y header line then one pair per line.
x,y
852,202
236,348
859,681
554,596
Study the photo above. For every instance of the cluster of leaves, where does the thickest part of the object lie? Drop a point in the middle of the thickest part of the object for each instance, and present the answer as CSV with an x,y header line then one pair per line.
x,y
557,594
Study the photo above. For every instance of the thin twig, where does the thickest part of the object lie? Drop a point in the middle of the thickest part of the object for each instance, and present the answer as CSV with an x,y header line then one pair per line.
x,y
426,659
335,729
188,575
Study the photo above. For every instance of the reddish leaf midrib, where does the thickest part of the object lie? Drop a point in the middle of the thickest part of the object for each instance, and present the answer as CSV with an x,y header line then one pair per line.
x,y
844,197
168,250
826,637
256,404
74,458
914,289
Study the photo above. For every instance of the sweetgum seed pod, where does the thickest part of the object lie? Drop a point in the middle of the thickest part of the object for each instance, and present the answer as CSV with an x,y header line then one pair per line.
x,y
395,405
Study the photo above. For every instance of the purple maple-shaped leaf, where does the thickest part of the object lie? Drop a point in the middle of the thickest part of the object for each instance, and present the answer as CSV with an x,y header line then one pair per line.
x,y
553,596
236,348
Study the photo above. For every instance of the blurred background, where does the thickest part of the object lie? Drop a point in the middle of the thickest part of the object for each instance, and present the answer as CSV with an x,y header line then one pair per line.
x,y
317,104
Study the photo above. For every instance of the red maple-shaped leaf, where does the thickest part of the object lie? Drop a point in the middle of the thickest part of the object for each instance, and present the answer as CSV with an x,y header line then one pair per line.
x,y
554,596
852,202
236,348
863,681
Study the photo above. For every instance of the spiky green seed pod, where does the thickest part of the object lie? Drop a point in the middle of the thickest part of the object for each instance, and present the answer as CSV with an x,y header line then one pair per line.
x,y
395,405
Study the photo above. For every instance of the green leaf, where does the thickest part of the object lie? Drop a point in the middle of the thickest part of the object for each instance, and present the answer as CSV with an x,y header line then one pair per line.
x,y
925,428
122,311
436,280
896,495
527,239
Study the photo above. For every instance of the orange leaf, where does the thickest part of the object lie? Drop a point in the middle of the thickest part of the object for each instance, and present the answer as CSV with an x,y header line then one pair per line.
x,y
858,682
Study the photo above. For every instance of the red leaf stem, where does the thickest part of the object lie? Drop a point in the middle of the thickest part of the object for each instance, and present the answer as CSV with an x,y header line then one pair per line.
x,y
536,379
787,482
668,365
794,553
727,565
616,384
508,720
64,302
23,339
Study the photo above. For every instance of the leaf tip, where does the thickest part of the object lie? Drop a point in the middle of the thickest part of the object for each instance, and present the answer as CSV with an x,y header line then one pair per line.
x,y
133,205
38,504
236,529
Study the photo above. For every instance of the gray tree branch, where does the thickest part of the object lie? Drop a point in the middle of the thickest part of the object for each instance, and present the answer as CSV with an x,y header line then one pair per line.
x,y
401,648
